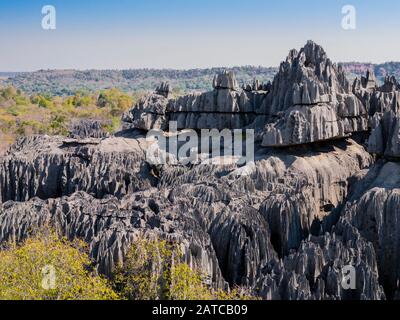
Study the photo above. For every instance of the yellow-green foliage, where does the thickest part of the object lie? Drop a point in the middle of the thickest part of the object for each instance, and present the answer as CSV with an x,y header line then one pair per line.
x,y
153,269
144,273
115,100
44,114
24,268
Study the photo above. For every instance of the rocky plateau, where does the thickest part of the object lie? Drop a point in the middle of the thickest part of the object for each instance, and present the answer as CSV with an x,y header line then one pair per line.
x,y
322,193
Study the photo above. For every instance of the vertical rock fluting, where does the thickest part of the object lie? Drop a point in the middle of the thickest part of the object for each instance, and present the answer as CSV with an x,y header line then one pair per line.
x,y
272,225
224,217
110,225
226,107
312,100
50,167
83,128
316,270
374,209
311,188
149,112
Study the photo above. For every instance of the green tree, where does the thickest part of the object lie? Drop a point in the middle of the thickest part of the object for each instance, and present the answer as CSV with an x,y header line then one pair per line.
x,y
153,269
9,92
58,125
42,101
25,270
117,101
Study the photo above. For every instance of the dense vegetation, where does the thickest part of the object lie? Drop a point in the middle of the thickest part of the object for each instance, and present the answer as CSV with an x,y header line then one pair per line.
x,y
48,268
67,82
154,270
356,69
45,267
21,114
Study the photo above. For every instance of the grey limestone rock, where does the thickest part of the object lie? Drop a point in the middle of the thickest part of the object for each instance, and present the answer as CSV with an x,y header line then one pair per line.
x,y
51,167
225,80
385,136
163,89
150,112
373,208
227,219
316,270
312,100
284,226
83,128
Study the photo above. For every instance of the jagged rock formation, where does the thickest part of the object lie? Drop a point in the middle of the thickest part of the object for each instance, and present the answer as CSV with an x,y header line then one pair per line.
x,y
83,128
312,100
257,86
390,84
383,105
315,271
51,167
385,136
110,225
150,112
163,89
234,217
226,106
373,208
369,81
284,225
225,80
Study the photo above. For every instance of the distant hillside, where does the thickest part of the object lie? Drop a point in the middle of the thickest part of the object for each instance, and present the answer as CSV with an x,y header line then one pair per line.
x,y
356,69
5,75
68,82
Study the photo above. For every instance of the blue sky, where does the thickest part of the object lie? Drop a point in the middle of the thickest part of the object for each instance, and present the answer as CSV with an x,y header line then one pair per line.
x,y
189,34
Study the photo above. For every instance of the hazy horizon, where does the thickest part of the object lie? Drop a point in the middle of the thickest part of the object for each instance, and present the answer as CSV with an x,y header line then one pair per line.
x,y
197,35
178,69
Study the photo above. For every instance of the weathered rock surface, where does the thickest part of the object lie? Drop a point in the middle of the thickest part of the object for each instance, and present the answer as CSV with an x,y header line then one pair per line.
x,y
226,106
285,225
316,270
110,225
164,89
51,167
232,222
383,105
385,136
374,208
225,80
150,112
83,128
312,100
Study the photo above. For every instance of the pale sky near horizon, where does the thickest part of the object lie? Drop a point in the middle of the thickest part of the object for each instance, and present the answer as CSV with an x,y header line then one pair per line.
x,y
185,34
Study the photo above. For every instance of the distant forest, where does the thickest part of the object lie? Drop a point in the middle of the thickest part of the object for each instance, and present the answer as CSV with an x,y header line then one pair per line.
x,y
68,82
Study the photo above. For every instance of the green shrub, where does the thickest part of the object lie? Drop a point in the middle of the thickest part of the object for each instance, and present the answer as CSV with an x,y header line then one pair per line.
x,y
58,125
8,93
153,270
47,268
42,101
117,101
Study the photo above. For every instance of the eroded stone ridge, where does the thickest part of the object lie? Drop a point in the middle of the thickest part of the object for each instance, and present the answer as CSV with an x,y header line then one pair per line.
x,y
312,101
285,225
